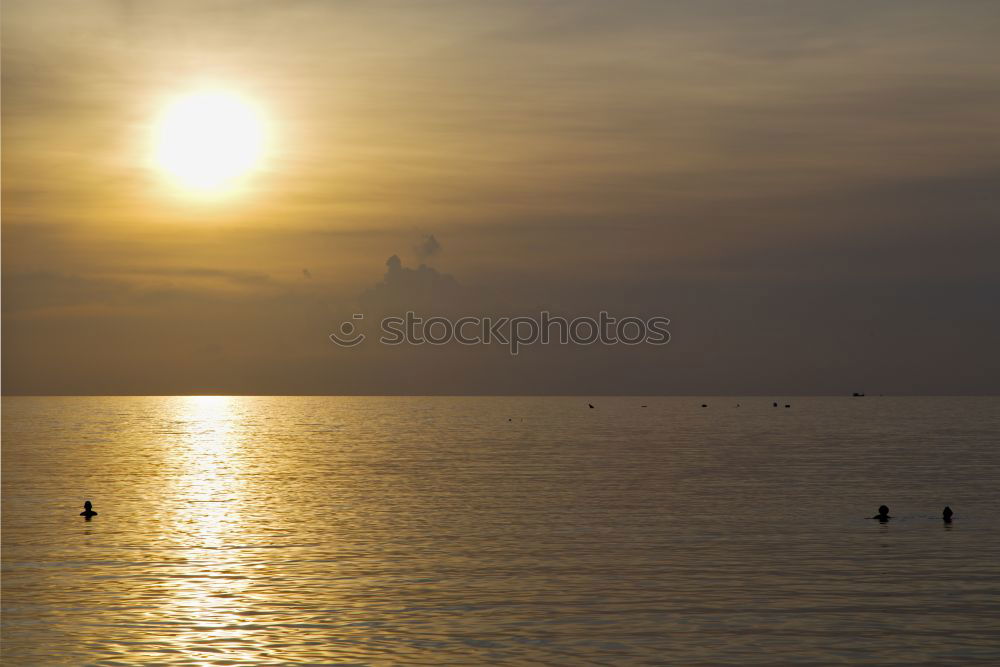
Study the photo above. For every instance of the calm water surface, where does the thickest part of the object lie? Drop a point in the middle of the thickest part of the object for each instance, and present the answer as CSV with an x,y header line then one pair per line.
x,y
434,530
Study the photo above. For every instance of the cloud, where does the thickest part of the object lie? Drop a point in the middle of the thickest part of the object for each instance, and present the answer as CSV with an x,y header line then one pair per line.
x,y
58,294
428,247
421,289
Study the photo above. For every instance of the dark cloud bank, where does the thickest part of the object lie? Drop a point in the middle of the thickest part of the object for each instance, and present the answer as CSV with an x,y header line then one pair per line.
x,y
249,333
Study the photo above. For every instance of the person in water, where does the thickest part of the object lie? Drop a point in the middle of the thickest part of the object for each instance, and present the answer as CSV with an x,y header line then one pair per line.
x,y
88,510
946,514
883,514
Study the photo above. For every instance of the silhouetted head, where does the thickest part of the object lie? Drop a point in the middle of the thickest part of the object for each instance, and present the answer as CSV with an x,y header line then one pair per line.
x,y
883,510
88,511
946,514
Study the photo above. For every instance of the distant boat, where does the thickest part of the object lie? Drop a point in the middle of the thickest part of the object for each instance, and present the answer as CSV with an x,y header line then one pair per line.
x,y
858,393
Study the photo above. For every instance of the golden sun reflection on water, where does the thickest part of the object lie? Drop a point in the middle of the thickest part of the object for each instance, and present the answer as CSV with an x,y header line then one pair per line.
x,y
211,486
224,597
210,454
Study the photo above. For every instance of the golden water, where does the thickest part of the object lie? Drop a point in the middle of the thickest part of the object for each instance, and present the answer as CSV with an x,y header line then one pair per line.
x,y
475,530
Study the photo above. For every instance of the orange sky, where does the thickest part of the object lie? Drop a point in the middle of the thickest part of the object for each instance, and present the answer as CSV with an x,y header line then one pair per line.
x,y
807,189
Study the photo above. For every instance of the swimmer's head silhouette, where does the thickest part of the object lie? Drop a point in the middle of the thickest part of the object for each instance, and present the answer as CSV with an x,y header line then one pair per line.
x,y
883,513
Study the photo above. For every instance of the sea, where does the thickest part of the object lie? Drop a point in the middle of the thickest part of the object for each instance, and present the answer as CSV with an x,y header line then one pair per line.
x,y
500,530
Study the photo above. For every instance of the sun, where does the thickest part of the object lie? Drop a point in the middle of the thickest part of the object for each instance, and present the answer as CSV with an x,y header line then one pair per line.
x,y
208,141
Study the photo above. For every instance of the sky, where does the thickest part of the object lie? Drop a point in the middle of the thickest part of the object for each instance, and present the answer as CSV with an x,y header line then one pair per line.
x,y
807,190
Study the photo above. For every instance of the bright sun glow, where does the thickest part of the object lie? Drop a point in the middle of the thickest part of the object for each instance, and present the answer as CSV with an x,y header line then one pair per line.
x,y
207,140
